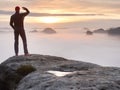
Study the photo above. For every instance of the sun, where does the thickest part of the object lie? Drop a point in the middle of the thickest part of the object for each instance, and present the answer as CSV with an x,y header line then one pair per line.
x,y
50,19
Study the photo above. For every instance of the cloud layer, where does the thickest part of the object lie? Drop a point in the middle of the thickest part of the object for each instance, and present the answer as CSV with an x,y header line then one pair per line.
x,y
64,7
48,14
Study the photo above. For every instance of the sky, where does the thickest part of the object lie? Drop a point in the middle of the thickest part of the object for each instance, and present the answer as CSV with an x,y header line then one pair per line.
x,y
66,6
84,9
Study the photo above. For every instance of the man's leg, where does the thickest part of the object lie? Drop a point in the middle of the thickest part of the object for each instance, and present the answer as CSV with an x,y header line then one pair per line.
x,y
16,43
23,36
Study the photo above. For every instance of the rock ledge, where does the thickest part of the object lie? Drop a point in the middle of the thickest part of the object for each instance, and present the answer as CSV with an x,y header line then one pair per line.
x,y
56,73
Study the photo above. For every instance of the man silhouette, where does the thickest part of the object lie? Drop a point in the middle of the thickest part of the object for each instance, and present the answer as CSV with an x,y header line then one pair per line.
x,y
17,23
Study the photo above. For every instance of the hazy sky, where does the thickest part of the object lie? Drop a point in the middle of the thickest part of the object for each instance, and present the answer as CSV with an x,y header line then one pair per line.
x,y
87,9
65,6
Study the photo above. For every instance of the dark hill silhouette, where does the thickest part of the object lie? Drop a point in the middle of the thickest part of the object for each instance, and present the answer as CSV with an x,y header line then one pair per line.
x,y
99,31
49,31
114,31
89,32
34,31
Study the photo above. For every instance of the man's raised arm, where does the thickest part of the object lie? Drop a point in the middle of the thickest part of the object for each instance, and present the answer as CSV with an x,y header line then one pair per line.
x,y
27,11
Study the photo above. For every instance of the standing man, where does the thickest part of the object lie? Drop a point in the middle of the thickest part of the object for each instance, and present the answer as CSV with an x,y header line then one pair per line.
x,y
17,23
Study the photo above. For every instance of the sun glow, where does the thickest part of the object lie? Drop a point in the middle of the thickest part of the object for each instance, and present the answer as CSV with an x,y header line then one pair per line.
x,y
61,19
50,19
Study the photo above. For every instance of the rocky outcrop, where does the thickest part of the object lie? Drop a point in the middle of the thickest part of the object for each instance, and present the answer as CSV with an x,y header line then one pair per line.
x,y
56,73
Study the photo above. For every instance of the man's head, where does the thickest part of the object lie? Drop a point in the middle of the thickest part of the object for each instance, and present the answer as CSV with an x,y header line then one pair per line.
x,y
17,8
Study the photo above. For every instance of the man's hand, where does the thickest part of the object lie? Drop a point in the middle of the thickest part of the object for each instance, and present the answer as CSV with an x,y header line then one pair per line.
x,y
27,11
24,8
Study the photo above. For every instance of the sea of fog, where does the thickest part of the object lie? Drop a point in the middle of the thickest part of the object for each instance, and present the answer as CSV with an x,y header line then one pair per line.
x,y
102,49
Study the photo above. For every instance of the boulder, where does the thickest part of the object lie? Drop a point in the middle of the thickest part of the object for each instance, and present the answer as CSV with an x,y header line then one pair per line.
x,y
56,73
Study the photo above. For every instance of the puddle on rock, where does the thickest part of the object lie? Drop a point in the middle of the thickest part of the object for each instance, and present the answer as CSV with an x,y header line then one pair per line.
x,y
59,73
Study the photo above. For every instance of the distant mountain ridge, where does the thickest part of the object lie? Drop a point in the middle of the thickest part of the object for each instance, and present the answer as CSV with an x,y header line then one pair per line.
x,y
115,31
99,31
111,31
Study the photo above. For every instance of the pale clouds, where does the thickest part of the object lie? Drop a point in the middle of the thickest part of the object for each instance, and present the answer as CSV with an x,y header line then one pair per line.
x,y
78,6
66,6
